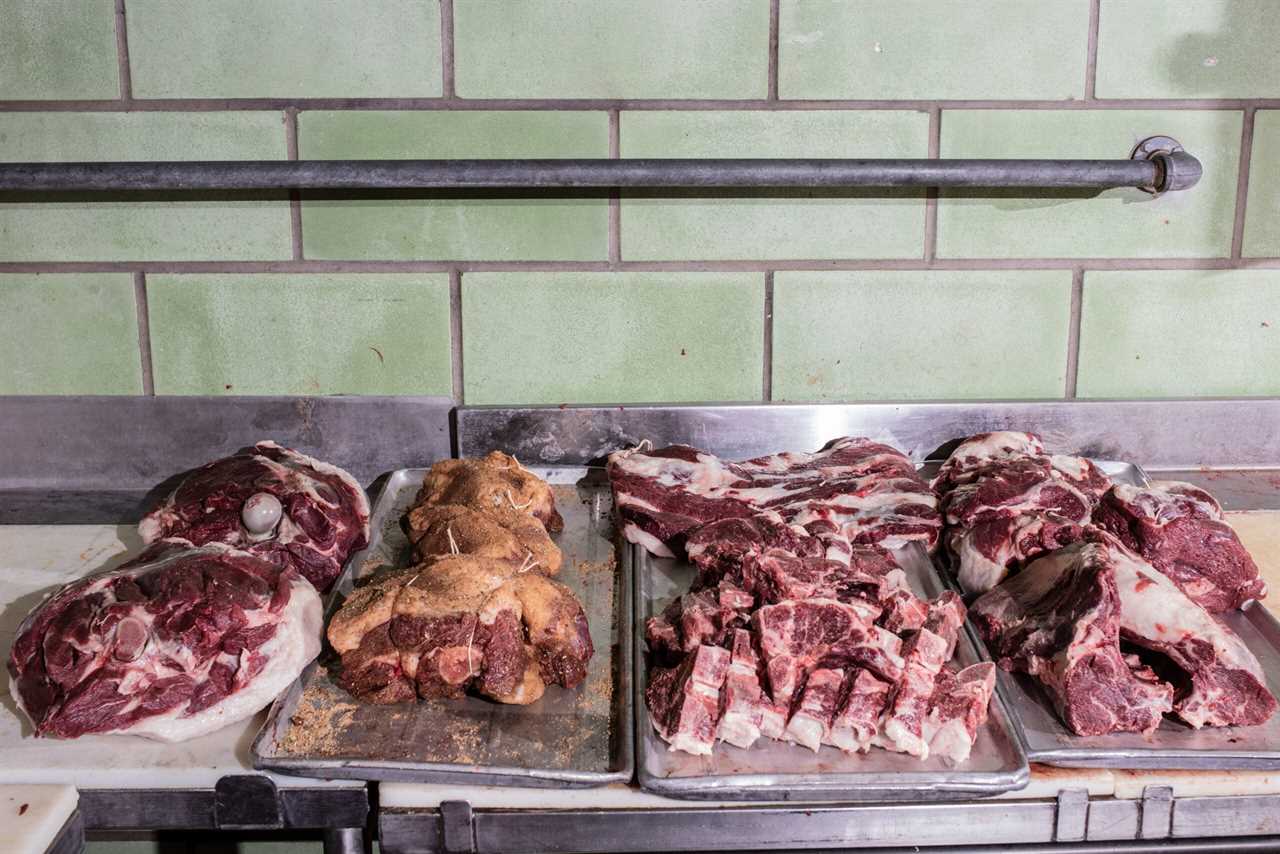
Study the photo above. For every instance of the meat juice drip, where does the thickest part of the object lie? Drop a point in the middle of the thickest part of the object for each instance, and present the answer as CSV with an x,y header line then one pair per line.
x,y
791,629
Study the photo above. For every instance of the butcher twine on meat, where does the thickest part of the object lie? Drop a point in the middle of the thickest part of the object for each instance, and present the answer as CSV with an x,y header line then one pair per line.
x,y
480,611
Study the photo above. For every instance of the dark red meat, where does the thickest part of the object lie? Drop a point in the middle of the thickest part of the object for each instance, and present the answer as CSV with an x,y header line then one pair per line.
x,y
324,514
177,643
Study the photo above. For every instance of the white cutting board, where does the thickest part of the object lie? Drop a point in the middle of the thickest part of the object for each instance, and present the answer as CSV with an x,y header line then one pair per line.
x,y
35,560
32,816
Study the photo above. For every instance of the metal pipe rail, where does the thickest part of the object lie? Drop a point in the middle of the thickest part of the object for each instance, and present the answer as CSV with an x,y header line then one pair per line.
x,y
1157,165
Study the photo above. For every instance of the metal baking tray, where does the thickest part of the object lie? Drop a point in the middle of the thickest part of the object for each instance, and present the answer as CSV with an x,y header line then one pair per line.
x,y
777,771
1046,739
578,738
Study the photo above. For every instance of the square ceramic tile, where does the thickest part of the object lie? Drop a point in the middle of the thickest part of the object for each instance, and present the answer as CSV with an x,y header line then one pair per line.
x,y
1180,333
612,337
733,224
611,48
472,226
932,49
1199,49
304,334
150,226
69,334
53,49
1117,223
925,335
285,49
1262,214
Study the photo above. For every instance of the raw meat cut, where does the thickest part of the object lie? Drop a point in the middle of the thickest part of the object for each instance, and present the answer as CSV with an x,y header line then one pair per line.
x,y
274,502
743,700
1180,530
1006,501
798,577
177,643
923,655
857,722
1225,683
439,628
1059,621
1116,562
701,617
728,544
795,636
958,707
685,700
852,491
810,723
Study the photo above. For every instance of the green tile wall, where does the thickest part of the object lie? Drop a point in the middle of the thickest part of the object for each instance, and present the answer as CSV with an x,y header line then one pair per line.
x,y
1262,224
611,48
932,49
889,335
147,227
1120,223
285,48
633,295
1197,49
58,49
608,337
474,226
338,333
668,225
1180,333
69,334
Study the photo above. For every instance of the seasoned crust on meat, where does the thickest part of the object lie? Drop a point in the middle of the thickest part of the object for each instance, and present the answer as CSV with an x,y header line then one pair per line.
x,y
492,481
502,533
459,621
366,608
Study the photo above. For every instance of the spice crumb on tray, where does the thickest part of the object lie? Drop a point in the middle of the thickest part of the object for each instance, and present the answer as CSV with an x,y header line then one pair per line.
x,y
318,723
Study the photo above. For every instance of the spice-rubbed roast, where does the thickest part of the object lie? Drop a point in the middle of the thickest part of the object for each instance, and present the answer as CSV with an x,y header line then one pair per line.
x,y
281,505
459,622
479,612
180,642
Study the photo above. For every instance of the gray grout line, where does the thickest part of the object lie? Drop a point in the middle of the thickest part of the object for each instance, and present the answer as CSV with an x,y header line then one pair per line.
x,y
1073,332
455,103
931,193
740,266
772,89
615,194
1242,185
447,76
766,383
1091,53
455,332
144,332
295,196
122,54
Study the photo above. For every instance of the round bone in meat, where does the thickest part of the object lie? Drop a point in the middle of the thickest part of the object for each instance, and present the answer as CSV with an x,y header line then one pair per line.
x,y
261,513
324,514
178,643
